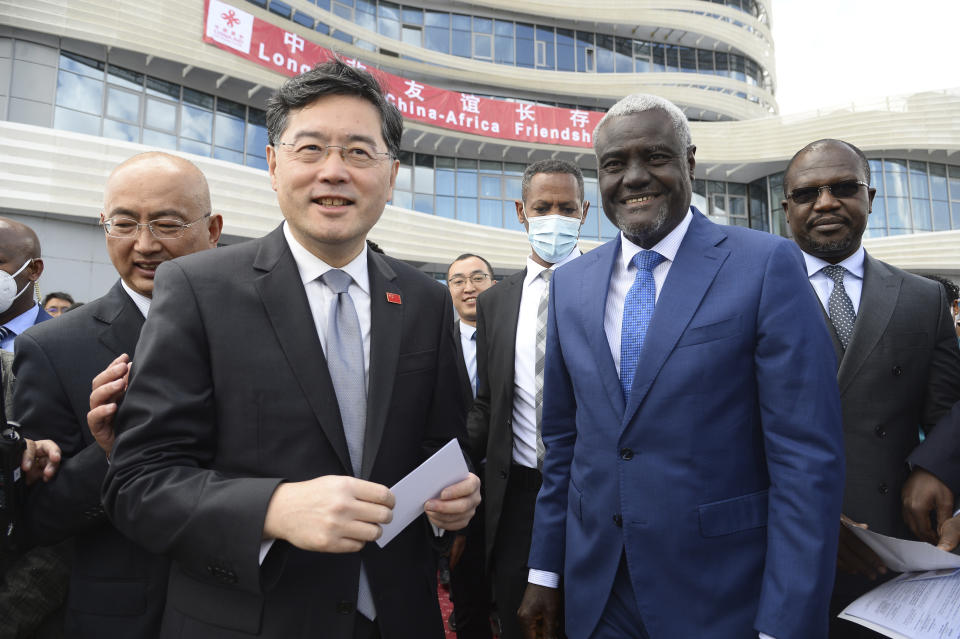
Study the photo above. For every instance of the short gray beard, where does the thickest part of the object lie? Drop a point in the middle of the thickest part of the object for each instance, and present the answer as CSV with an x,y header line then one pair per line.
x,y
639,233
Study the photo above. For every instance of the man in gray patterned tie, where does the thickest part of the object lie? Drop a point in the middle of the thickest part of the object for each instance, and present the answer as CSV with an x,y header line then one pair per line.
x,y
899,367
282,385
511,331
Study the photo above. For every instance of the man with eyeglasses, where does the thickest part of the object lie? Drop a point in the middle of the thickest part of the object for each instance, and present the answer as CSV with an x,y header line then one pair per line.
x,y
899,366
156,208
282,385
504,423
467,277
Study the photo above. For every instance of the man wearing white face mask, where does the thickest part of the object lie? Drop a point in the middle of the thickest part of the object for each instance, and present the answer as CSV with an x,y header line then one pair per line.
x,y
504,422
20,267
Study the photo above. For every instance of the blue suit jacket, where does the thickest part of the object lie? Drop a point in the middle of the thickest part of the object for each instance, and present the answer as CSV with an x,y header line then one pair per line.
x,y
722,477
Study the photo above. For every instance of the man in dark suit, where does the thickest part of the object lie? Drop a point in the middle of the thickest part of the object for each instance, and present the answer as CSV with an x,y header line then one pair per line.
x,y
156,208
681,432
899,366
467,277
504,421
22,266
281,385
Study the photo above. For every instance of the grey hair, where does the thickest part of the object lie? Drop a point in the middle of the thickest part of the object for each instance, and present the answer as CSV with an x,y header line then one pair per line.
x,y
641,102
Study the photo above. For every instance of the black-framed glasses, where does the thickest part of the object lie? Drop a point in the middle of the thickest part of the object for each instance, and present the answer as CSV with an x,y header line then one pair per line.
x,y
808,194
477,279
162,229
358,156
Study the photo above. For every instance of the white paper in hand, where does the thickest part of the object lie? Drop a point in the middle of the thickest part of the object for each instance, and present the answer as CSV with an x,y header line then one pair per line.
x,y
903,555
444,468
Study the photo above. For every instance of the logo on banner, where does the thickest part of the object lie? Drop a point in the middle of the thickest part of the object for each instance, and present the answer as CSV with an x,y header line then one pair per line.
x,y
229,26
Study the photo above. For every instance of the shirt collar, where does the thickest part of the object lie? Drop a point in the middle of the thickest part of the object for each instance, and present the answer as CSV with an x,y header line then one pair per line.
x,y
311,267
142,301
466,330
853,264
534,269
667,247
24,320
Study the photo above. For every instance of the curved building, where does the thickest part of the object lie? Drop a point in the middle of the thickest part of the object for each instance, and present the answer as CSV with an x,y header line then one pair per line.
x,y
485,87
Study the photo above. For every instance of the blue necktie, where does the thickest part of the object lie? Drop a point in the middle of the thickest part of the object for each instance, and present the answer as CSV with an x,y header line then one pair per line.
x,y
345,363
637,312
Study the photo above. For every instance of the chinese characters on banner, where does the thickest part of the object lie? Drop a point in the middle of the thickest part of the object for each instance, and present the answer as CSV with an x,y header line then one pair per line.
x,y
270,46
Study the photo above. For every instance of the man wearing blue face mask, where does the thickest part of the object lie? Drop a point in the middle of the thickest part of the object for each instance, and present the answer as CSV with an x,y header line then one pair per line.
x,y
504,423
20,268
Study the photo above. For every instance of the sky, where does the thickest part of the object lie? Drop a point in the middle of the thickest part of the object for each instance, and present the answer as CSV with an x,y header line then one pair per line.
x,y
833,52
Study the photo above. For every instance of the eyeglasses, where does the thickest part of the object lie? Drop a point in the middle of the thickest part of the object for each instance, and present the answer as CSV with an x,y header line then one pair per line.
x,y
808,194
164,229
357,155
476,278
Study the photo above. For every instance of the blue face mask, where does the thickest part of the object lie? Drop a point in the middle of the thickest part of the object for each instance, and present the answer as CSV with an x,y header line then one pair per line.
x,y
553,237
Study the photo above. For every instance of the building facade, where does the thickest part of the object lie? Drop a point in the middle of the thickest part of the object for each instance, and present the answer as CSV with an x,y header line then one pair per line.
x,y
486,88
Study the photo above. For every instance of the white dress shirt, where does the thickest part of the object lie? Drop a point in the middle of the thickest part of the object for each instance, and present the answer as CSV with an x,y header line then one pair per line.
x,y
142,301
524,364
319,298
468,342
823,285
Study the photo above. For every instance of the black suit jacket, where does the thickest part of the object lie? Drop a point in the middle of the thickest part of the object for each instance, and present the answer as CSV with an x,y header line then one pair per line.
x,y
230,396
116,588
490,421
466,386
900,372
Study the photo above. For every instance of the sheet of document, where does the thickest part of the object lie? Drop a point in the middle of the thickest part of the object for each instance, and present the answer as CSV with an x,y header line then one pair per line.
x,y
912,606
425,482
901,555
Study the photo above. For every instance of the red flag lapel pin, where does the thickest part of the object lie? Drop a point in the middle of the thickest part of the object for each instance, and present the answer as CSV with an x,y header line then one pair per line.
x,y
393,298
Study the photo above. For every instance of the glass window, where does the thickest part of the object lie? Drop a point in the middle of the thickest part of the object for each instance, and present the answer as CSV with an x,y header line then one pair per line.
x,y
525,53
197,98
877,219
403,199
404,177
545,48
446,182
437,19
954,182
467,209
159,140
490,186
423,179
197,148
322,28
413,35
162,88
257,162
462,43
503,28
196,123
918,179
123,105
342,36
303,19
895,181
279,8
365,20
81,64
125,78
229,131
161,114
511,188
503,46
876,175
938,182
605,54
482,46
80,93
446,206
482,25
412,15
490,213
343,11
437,39
705,61
941,216
921,215
623,55
227,154
659,59
467,182
566,50
423,203
585,51
257,138
898,214
69,120
688,59
460,22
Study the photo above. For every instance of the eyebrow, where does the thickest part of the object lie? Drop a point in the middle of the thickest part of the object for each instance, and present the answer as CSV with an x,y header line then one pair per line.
x,y
153,215
473,272
572,203
353,137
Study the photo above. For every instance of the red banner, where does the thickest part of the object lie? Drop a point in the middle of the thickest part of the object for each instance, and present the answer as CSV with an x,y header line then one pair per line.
x,y
270,46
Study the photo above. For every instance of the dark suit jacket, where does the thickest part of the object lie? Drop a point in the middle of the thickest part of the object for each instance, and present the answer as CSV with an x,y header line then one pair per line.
x,y
720,478
490,420
117,588
940,451
901,371
231,396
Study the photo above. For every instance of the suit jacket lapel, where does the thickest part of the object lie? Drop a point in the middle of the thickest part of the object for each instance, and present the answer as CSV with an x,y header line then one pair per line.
x,y
696,265
466,385
386,330
595,302
510,309
285,303
122,321
837,346
881,288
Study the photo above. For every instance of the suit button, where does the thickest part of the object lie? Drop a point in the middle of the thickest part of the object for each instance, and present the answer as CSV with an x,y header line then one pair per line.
x,y
880,432
626,454
884,489
503,473
897,371
618,520
345,608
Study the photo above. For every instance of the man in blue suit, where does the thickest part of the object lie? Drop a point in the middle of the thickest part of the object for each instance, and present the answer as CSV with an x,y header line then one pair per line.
x,y
694,453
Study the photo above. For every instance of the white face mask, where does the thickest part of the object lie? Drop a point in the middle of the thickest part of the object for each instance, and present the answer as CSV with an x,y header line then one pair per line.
x,y
8,287
553,237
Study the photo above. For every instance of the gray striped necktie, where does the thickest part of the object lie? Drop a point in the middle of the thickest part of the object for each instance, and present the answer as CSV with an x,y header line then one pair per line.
x,y
345,363
541,353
